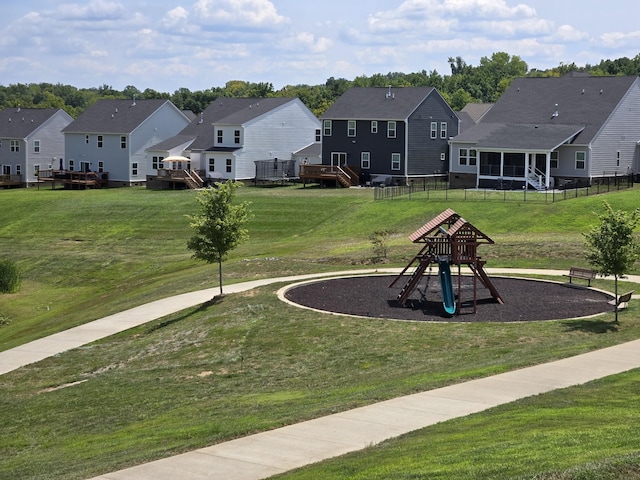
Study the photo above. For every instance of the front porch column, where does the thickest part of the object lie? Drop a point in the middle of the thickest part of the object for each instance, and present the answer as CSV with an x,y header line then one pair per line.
x,y
501,164
547,171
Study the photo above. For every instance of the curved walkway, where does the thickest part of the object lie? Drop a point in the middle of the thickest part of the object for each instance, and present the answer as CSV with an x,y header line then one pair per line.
x,y
265,454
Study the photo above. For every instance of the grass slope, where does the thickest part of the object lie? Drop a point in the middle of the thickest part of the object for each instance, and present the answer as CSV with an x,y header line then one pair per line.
x,y
249,363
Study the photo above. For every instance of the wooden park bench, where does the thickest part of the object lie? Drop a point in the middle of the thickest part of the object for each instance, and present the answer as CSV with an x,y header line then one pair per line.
x,y
623,300
583,273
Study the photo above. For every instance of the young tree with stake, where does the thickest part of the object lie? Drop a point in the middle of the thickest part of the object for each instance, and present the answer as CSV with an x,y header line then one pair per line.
x,y
219,226
611,246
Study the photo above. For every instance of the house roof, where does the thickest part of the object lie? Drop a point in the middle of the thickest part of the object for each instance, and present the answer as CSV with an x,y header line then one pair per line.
x,y
19,123
476,110
311,150
172,142
250,110
114,116
519,136
567,100
377,103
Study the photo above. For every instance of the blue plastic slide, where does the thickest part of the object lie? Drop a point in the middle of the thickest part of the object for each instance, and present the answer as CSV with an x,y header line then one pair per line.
x,y
448,298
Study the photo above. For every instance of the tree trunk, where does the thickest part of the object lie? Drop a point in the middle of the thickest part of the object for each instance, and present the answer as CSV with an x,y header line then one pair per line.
x,y
615,283
220,274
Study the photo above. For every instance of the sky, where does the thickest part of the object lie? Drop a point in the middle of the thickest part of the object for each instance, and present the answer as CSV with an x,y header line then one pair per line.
x,y
166,45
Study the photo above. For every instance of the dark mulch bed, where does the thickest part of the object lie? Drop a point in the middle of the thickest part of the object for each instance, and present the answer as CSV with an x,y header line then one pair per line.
x,y
524,300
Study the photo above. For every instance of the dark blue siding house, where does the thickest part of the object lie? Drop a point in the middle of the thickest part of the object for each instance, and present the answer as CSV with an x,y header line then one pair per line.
x,y
388,135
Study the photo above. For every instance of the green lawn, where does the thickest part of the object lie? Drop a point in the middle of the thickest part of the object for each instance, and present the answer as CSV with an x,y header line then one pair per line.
x,y
249,363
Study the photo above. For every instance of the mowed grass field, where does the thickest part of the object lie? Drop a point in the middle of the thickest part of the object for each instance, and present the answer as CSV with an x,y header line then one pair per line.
x,y
248,363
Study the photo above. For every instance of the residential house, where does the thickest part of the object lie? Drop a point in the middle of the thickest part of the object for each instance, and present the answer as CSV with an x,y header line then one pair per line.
x,y
392,134
231,134
30,139
111,136
548,132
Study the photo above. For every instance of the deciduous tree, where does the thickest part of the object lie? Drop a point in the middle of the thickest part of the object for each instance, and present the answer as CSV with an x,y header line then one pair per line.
x,y
611,247
219,225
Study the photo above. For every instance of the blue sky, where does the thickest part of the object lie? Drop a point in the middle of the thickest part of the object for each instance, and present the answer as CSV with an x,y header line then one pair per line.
x,y
199,44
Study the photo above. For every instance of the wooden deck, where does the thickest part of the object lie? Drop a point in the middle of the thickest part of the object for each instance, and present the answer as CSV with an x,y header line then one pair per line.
x,y
73,180
344,176
7,181
168,179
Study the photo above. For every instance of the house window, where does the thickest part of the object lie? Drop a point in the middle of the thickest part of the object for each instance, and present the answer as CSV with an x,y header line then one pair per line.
x,y
71,165
18,169
443,129
14,145
220,136
326,128
351,128
618,159
236,136
36,169
100,167
212,164
123,142
581,160
374,126
365,160
553,160
100,142
36,147
391,129
6,169
86,139
154,163
395,161
134,169
468,156
317,134
228,165
434,129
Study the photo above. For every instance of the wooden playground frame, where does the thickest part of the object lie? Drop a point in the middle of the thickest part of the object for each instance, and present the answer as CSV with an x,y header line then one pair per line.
x,y
448,240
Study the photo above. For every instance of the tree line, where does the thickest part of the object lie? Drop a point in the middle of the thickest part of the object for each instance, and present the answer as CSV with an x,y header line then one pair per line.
x,y
482,83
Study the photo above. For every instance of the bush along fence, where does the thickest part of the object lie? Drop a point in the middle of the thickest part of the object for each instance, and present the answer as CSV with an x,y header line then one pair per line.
x,y
441,191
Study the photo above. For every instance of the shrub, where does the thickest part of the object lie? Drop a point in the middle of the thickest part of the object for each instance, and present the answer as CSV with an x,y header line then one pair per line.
x,y
9,276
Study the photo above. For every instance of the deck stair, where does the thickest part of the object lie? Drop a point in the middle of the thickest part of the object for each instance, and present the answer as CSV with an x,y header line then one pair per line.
x,y
537,179
192,179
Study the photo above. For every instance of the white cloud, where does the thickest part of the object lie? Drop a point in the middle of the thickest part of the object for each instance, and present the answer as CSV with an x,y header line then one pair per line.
x,y
568,33
95,10
620,39
238,13
178,17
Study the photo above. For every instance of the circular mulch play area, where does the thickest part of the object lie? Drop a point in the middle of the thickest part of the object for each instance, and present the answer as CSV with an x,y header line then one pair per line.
x,y
524,300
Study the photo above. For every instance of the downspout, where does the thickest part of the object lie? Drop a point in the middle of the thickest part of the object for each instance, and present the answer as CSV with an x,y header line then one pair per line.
x,y
406,152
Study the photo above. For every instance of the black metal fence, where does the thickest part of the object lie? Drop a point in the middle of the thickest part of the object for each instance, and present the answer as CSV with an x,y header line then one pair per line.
x,y
440,190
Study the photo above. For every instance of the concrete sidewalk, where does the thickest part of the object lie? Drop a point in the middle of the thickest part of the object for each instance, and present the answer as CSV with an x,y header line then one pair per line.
x,y
265,454
90,332
268,453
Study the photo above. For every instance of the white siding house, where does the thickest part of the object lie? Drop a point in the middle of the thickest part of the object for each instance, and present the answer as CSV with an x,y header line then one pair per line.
x,y
30,140
232,133
111,137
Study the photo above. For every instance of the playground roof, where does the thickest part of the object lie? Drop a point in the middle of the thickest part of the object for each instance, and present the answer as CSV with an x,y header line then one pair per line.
x,y
455,225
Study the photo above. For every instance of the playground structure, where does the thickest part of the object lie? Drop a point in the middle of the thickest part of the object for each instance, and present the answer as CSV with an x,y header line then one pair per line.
x,y
448,240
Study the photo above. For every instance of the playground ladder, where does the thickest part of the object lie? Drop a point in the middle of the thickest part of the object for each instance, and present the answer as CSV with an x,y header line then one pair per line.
x,y
413,281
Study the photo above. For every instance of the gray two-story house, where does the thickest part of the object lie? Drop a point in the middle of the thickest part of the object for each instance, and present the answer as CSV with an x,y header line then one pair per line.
x,y
30,140
111,136
394,135
548,132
